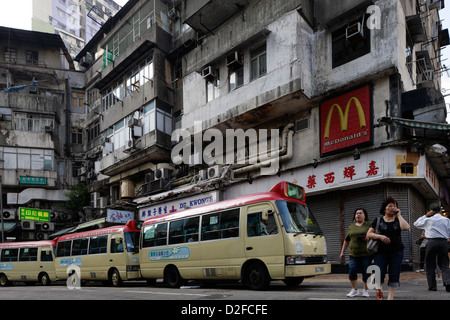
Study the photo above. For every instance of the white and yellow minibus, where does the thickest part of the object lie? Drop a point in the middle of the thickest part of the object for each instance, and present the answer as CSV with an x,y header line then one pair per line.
x,y
28,262
108,254
255,238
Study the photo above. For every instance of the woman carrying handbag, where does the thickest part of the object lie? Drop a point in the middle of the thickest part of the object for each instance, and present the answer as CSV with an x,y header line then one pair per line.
x,y
389,256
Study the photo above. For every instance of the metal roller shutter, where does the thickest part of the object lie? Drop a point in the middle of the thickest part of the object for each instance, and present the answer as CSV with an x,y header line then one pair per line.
x,y
369,198
326,209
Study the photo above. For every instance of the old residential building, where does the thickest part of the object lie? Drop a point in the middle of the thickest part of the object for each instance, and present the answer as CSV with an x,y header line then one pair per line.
x,y
41,98
349,91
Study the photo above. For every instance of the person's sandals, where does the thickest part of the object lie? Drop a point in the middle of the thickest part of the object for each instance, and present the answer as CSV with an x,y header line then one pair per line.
x,y
379,294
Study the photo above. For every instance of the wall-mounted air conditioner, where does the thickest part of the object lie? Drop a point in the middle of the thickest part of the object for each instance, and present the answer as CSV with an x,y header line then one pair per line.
x,y
235,61
9,214
162,173
214,172
28,225
209,73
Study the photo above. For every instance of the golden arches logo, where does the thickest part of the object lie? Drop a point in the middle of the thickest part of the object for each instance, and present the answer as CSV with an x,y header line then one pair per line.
x,y
343,117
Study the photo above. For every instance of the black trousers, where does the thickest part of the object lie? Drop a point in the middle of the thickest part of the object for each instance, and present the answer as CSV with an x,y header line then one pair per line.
x,y
437,251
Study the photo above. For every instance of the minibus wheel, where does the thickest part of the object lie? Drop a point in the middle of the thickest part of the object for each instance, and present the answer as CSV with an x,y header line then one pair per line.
x,y
114,278
4,282
256,276
44,279
172,277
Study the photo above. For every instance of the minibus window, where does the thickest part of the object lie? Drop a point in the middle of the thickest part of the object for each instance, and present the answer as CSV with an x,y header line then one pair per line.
x,y
132,241
46,256
297,218
9,255
28,254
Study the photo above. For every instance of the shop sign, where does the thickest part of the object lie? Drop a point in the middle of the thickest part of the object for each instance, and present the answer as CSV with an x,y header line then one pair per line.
x,y
346,121
34,214
119,216
39,181
178,205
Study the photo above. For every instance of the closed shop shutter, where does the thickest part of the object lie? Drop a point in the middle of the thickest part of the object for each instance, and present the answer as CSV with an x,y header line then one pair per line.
x,y
326,210
412,206
417,209
369,198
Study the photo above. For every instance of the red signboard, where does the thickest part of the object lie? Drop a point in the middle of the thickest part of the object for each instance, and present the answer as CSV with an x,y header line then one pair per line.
x,y
346,121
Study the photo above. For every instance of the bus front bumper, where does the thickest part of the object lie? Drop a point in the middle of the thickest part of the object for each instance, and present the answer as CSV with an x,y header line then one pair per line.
x,y
307,270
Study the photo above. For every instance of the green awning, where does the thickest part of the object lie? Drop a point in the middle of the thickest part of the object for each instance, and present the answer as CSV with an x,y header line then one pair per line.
x,y
91,223
414,124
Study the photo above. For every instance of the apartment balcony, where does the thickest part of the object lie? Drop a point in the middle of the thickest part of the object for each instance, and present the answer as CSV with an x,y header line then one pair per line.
x,y
154,147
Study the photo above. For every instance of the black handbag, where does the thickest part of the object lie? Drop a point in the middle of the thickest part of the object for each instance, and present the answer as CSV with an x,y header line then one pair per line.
x,y
373,244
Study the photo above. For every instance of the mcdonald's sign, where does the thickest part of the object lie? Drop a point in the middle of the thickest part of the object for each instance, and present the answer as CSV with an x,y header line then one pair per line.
x,y
346,121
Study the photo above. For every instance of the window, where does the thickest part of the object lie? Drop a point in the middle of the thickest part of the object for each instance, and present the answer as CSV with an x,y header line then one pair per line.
x,y
212,89
32,57
93,130
117,245
9,255
350,42
46,256
139,76
32,122
220,225
183,231
98,244
10,55
236,79
155,235
27,159
28,254
257,227
80,247
63,248
77,135
258,62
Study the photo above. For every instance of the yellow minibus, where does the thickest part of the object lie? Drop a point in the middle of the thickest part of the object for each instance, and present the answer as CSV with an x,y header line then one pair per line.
x,y
254,238
28,262
108,254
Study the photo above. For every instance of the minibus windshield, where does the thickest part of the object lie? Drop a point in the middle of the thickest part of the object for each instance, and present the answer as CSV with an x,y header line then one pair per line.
x,y
297,218
132,241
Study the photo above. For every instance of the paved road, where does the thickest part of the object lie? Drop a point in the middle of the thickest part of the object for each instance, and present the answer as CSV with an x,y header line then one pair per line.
x,y
327,287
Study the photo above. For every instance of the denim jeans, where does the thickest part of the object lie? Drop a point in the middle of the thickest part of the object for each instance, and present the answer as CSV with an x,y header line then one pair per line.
x,y
358,264
391,264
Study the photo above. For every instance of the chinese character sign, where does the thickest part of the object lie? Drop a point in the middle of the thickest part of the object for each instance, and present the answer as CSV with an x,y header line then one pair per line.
x,y
34,214
346,121
119,216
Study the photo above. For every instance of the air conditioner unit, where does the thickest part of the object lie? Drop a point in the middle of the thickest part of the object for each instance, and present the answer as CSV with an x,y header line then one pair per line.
x,y
355,31
156,186
42,236
137,131
214,172
209,73
27,235
9,214
28,225
81,171
45,226
145,189
172,14
235,61
133,122
91,175
149,176
162,173
202,175
103,202
86,61
129,144
48,129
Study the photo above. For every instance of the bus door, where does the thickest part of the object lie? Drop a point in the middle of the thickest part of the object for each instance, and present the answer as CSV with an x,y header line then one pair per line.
x,y
117,258
264,239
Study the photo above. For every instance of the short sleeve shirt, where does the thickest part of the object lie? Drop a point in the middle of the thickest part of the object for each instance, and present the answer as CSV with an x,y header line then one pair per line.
x,y
355,236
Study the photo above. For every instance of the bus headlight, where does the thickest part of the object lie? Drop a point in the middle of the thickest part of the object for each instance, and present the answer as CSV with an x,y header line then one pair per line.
x,y
295,260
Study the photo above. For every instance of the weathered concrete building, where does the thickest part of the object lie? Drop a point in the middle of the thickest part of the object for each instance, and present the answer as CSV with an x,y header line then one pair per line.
x,y
345,89
41,98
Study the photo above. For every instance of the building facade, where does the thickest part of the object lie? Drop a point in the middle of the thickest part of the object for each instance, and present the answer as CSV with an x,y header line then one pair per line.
x,y
76,21
191,102
41,97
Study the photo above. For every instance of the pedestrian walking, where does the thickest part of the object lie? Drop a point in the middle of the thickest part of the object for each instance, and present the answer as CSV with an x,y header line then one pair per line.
x,y
422,242
437,231
359,258
389,256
